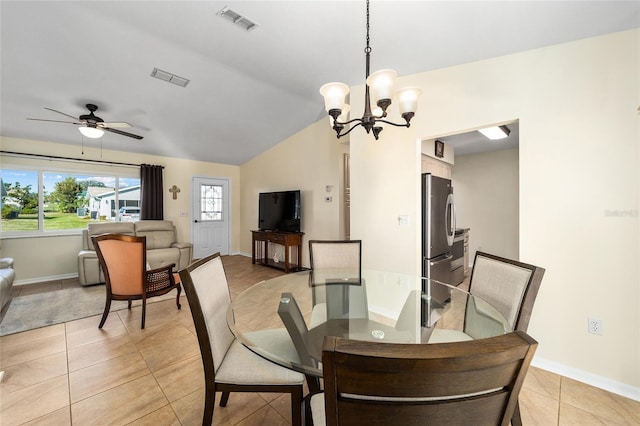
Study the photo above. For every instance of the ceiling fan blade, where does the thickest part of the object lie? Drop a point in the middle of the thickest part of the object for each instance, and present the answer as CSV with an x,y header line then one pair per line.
x,y
120,132
118,125
63,113
54,121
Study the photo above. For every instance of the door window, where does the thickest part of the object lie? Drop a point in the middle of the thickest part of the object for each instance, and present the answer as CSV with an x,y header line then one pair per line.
x,y
211,202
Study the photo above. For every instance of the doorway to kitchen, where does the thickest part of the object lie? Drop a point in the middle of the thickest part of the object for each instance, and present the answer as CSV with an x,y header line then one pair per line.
x,y
485,178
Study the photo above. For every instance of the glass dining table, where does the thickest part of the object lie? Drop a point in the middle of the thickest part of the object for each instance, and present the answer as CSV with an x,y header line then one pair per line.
x,y
285,319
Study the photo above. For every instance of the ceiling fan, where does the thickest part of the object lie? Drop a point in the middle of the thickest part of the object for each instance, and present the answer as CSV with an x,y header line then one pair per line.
x,y
91,125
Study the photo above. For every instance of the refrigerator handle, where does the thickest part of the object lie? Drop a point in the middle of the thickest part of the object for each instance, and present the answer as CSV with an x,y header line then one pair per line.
x,y
440,260
450,217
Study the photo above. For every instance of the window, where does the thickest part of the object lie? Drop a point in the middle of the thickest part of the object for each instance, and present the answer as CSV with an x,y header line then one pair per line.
x,y
210,202
38,201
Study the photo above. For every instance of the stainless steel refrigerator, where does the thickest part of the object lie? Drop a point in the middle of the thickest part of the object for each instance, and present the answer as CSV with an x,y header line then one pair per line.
x,y
438,230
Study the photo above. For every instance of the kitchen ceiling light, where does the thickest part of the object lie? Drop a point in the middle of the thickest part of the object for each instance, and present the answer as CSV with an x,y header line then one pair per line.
x,y
91,131
380,84
497,132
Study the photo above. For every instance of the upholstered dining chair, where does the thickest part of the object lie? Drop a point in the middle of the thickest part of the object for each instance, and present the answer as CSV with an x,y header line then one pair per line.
x,y
338,289
460,383
507,285
335,260
123,259
228,365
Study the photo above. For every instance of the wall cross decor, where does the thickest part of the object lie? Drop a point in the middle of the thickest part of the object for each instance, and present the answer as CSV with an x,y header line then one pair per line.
x,y
174,191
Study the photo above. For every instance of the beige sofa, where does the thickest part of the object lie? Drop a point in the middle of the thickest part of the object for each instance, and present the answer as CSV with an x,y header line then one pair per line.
x,y
7,275
163,247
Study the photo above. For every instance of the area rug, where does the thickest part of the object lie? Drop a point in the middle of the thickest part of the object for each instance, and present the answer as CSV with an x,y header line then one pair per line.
x,y
55,307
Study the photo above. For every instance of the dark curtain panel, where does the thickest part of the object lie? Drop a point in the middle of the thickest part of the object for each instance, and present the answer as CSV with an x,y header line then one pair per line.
x,y
151,192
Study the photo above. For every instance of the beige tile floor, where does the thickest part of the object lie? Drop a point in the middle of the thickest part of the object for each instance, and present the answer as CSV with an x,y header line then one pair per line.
x,y
74,373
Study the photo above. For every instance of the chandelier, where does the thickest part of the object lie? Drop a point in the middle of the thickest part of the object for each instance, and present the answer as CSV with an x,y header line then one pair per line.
x,y
379,85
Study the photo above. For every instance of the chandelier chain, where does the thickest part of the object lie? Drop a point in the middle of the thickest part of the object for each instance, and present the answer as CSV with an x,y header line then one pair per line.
x,y
367,49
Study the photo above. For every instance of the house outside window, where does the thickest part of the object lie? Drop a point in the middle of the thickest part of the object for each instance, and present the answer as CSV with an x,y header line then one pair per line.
x,y
37,201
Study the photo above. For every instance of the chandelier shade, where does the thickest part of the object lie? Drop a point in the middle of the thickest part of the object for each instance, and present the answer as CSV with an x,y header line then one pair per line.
x,y
381,84
408,99
379,89
334,95
91,131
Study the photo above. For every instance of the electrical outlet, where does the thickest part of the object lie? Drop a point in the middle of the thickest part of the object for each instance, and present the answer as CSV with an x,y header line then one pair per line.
x,y
594,326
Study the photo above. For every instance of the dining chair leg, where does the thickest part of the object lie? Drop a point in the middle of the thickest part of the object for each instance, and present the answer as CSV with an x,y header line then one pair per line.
x,y
144,311
105,314
296,406
209,404
224,398
178,296
516,420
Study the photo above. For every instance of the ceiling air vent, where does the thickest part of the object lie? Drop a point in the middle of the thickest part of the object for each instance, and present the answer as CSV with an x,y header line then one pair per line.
x,y
170,78
237,19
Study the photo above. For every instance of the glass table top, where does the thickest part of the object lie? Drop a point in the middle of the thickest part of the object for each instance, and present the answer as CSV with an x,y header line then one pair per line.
x,y
285,319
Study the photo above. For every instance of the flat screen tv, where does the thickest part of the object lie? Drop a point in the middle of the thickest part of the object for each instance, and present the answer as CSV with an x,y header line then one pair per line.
x,y
279,211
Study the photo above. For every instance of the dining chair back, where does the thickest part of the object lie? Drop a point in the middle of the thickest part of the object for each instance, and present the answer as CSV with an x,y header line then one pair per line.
x,y
508,285
461,383
338,289
335,260
228,365
123,259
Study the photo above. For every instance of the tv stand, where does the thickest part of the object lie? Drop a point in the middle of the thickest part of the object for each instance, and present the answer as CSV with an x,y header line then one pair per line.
x,y
260,249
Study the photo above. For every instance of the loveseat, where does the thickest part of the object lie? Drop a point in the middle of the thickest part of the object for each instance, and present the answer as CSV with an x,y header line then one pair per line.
x,y
7,275
163,247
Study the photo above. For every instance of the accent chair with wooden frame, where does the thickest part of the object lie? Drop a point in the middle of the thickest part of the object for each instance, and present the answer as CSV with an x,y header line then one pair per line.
x,y
460,383
123,259
228,365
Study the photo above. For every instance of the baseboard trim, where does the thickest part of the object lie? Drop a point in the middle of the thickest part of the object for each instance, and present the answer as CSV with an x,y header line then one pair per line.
x,y
44,279
75,275
609,385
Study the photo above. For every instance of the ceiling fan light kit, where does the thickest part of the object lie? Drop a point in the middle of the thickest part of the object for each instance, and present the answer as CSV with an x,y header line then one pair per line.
x,y
91,125
379,86
91,132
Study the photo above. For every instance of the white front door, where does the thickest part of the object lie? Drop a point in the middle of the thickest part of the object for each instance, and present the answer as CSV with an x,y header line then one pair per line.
x,y
211,220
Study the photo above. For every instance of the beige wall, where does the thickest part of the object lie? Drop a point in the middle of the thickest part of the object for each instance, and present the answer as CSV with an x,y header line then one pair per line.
x,y
491,177
39,258
309,160
579,185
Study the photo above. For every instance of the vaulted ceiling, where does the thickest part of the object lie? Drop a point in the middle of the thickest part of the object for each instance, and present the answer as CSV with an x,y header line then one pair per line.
x,y
248,90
